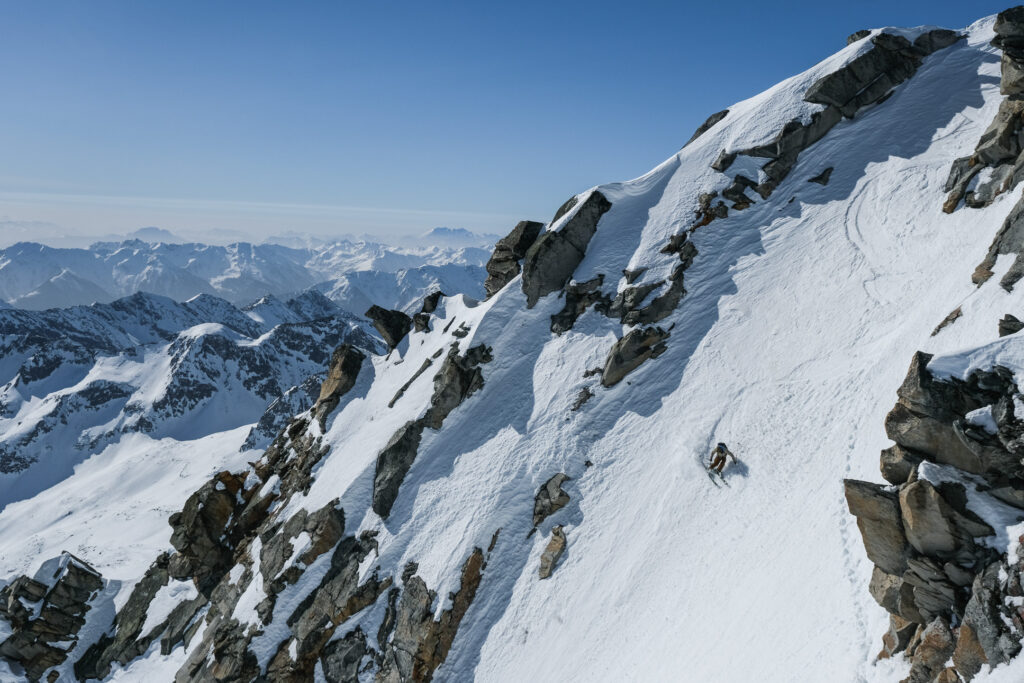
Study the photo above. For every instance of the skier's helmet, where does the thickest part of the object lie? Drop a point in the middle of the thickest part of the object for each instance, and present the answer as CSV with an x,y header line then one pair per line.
x,y
721,444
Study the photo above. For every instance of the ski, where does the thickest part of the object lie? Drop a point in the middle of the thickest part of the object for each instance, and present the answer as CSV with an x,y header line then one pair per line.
x,y
712,478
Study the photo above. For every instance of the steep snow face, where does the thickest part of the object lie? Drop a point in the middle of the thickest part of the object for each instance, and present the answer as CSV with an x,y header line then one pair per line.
x,y
78,379
801,313
36,277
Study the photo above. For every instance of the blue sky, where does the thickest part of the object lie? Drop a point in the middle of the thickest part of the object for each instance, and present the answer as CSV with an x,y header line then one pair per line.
x,y
387,117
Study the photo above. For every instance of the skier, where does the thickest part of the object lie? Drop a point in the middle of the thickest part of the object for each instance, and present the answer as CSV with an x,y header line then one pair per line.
x,y
718,456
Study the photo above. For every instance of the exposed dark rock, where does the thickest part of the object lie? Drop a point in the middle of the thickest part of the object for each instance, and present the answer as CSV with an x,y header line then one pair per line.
x,y
930,656
933,527
579,296
1009,325
985,615
706,126
202,533
402,389
341,658
41,637
392,325
870,76
341,377
629,352
551,260
928,419
857,35
553,552
503,265
430,301
550,498
999,149
897,463
1009,29
585,395
632,275
128,641
953,316
419,644
897,637
457,379
1009,240
565,208
881,526
823,177
723,161
393,463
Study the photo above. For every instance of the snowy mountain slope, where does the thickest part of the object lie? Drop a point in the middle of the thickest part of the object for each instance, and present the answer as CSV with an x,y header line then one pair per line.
x,y
804,303
36,277
80,378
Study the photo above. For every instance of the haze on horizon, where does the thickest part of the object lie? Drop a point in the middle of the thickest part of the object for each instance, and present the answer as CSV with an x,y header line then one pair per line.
x,y
221,122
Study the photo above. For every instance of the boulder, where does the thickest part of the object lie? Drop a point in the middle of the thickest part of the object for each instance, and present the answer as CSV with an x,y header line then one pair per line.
x,y
631,351
393,463
551,260
346,361
503,265
550,498
878,517
1009,325
897,463
421,320
553,552
392,325
823,177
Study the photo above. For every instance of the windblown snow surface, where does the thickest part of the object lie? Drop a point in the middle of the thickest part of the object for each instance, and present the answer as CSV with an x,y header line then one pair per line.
x,y
801,317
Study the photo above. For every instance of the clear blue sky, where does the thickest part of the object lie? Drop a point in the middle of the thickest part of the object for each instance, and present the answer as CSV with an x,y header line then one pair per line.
x,y
382,116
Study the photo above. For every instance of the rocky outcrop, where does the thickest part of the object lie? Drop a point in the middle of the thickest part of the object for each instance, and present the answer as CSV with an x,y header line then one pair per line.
x,y
45,614
457,379
999,153
392,325
629,352
707,125
1009,325
945,586
550,498
341,377
551,260
421,321
503,265
867,79
579,296
419,644
872,75
823,177
553,552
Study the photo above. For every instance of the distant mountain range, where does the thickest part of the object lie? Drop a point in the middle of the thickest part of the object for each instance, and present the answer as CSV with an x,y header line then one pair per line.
x,y
352,273
75,380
